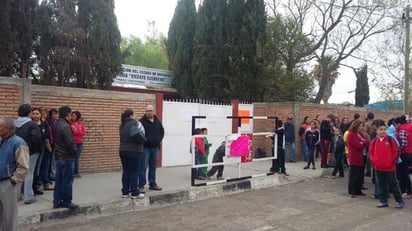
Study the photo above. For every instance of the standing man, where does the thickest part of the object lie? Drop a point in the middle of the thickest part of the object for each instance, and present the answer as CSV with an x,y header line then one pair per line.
x,y
31,134
65,151
154,134
14,164
290,139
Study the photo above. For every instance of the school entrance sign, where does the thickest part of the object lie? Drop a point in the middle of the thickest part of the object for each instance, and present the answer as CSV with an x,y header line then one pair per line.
x,y
141,77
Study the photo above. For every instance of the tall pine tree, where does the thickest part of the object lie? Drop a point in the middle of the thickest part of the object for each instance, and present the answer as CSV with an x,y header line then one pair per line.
x,y
7,40
248,63
180,46
210,57
362,86
103,42
23,19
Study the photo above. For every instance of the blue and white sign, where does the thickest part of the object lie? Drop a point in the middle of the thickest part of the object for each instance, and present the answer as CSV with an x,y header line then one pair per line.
x,y
143,76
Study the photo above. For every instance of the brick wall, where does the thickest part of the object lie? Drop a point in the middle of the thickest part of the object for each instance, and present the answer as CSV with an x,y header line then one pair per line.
x,y
101,111
299,111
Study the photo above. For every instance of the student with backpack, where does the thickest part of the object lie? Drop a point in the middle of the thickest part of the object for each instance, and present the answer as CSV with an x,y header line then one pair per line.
x,y
384,155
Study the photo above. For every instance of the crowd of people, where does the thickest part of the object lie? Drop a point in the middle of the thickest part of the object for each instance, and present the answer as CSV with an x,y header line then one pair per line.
x,y
40,129
44,146
367,147
35,149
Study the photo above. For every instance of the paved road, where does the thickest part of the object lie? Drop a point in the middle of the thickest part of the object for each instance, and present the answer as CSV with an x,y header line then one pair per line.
x,y
319,204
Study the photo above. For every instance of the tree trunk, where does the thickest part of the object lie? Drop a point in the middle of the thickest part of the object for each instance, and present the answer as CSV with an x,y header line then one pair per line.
x,y
323,83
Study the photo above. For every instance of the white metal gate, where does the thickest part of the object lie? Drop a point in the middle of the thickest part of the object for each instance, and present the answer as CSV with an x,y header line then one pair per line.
x,y
177,122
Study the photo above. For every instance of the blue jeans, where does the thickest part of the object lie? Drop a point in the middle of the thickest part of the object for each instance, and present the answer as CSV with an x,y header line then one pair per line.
x,y
76,162
63,189
305,150
198,160
131,162
45,167
292,150
149,158
28,180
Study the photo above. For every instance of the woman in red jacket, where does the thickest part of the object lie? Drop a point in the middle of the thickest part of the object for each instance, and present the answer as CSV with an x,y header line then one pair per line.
x,y
78,132
356,142
384,155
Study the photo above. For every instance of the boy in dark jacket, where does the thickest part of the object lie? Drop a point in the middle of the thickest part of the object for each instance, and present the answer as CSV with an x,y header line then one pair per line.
x,y
337,148
218,158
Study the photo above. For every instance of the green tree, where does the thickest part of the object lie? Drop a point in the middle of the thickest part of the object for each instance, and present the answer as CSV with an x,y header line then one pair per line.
x,y
103,43
284,73
180,46
151,53
248,84
7,40
362,86
23,18
209,59
44,46
323,68
60,42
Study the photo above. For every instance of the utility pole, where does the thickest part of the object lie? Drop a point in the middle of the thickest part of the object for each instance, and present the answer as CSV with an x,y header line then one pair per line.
x,y
407,54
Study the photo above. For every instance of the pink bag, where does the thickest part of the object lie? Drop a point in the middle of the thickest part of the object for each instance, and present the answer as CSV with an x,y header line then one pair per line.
x,y
240,146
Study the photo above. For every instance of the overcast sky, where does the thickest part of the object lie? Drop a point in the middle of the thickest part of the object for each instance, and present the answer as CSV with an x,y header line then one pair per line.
x,y
133,17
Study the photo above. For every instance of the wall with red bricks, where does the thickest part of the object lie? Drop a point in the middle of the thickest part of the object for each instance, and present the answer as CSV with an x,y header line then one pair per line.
x,y
101,111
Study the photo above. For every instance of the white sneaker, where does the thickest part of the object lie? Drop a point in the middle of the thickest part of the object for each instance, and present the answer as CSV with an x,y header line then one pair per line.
x,y
140,196
125,196
406,196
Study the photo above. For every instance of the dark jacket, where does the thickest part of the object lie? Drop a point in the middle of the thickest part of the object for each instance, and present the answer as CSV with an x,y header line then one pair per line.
x,y
44,131
289,132
325,130
154,132
126,143
337,146
219,154
30,132
281,137
312,138
64,145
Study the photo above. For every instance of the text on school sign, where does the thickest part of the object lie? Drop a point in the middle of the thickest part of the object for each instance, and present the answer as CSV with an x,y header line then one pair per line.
x,y
143,76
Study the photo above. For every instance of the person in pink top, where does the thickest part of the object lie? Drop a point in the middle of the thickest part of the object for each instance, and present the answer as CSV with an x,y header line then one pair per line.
x,y
79,131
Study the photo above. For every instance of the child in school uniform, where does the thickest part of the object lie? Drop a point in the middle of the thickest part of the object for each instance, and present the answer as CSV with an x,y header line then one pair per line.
x,y
337,148
384,155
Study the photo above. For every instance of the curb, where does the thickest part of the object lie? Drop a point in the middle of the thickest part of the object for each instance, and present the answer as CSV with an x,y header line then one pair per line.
x,y
159,200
